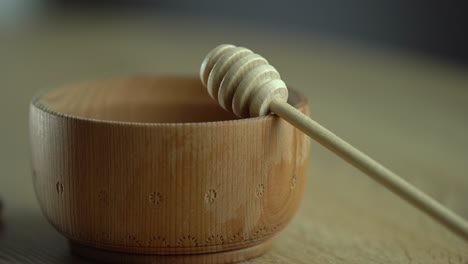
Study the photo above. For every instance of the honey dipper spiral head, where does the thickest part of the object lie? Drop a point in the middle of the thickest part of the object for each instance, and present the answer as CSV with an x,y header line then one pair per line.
x,y
241,81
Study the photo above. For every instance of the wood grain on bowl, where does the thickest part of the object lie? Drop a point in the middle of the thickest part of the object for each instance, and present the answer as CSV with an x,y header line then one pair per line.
x,y
153,168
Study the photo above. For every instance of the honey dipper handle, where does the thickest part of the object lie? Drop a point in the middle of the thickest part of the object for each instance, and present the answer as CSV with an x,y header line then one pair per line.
x,y
371,167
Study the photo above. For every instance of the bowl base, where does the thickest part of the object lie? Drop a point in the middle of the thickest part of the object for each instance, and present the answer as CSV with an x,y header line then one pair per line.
x,y
209,258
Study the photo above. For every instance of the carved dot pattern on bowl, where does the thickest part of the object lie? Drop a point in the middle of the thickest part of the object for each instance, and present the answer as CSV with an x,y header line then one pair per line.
x,y
157,241
155,198
293,181
210,196
214,240
238,237
59,187
103,196
154,241
136,241
187,241
260,190
260,232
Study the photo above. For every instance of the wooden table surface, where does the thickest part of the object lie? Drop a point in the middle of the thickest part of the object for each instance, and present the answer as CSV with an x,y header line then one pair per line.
x,y
407,111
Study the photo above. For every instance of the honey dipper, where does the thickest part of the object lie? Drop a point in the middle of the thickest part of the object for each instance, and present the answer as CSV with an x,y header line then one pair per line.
x,y
247,85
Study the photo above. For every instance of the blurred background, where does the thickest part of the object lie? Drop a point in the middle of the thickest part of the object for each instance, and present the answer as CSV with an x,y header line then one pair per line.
x,y
394,66
434,28
389,76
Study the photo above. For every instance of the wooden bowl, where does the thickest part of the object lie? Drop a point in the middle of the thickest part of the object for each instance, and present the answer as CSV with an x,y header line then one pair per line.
x,y
151,169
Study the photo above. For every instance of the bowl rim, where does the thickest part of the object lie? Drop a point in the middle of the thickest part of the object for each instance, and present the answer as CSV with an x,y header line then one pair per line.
x,y
37,104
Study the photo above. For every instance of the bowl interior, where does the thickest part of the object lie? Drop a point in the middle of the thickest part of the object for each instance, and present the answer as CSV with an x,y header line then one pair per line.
x,y
141,99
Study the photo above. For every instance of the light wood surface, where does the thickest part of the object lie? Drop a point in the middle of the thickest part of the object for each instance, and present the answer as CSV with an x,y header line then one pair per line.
x,y
115,169
381,101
